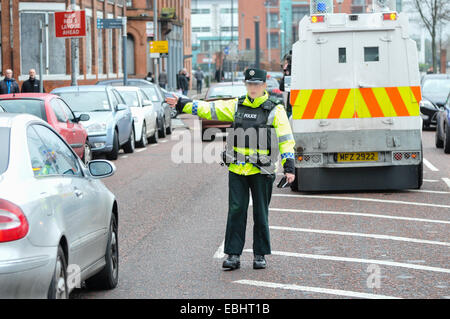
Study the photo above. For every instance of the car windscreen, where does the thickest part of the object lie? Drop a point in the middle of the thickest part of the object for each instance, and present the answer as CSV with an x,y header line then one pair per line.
x,y
130,97
226,91
29,106
151,93
88,101
272,83
440,87
4,146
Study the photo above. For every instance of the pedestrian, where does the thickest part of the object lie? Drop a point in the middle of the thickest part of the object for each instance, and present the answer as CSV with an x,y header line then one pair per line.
x,y
220,75
9,84
162,79
149,77
32,85
249,166
199,76
184,82
287,66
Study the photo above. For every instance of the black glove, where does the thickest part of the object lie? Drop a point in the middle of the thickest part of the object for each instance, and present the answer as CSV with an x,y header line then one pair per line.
x,y
181,103
283,183
289,166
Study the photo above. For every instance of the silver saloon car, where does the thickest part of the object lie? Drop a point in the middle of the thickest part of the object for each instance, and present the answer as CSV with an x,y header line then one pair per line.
x,y
58,222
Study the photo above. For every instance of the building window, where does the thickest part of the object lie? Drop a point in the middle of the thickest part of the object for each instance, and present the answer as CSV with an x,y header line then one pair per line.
x,y
273,40
272,20
110,50
359,6
200,11
228,10
129,3
29,46
201,29
88,45
247,44
100,50
228,29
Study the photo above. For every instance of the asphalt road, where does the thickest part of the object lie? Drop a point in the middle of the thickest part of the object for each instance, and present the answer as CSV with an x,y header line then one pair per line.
x,y
172,221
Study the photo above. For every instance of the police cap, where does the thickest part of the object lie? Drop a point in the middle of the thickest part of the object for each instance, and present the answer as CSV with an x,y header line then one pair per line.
x,y
253,75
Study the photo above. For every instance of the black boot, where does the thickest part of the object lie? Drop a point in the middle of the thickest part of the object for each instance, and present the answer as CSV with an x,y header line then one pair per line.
x,y
259,262
232,262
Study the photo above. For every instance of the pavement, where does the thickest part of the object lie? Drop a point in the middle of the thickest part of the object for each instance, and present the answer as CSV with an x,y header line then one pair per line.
x,y
172,219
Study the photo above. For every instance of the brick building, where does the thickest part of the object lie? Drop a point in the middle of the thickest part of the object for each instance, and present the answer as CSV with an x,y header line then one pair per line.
x,y
100,52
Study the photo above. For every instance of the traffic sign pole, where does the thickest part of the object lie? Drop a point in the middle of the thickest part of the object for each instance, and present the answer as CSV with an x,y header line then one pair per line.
x,y
74,53
124,53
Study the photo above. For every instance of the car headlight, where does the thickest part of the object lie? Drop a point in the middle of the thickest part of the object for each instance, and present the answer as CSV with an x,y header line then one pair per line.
x,y
427,104
99,128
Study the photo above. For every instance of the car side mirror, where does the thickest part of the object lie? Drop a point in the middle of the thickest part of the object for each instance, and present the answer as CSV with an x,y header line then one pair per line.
x,y
84,117
121,107
147,103
101,168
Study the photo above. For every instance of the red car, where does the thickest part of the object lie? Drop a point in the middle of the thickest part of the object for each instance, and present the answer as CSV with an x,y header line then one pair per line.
x,y
52,109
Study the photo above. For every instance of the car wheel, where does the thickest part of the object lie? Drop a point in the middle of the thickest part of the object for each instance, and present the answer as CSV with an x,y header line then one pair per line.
x,y
115,150
130,145
108,277
143,142
169,128
87,154
438,141
162,131
154,138
58,287
446,139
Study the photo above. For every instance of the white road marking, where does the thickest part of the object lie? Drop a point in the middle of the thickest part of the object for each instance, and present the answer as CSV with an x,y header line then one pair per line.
x,y
427,191
377,236
319,290
153,145
163,141
363,199
360,214
219,253
430,166
357,260
141,150
447,181
124,156
431,180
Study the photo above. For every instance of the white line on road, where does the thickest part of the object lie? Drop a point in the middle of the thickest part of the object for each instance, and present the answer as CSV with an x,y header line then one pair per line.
x,y
377,236
319,290
124,156
427,191
430,166
360,214
219,253
163,141
363,199
431,180
447,181
141,150
357,260
153,145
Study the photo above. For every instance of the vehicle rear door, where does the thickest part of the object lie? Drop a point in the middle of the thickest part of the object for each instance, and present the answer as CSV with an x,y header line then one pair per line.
x,y
62,124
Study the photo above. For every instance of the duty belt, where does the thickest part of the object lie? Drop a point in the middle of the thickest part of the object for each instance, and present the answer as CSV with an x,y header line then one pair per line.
x,y
263,162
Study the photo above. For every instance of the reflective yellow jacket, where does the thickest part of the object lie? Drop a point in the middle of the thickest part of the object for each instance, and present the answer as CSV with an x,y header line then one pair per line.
x,y
224,110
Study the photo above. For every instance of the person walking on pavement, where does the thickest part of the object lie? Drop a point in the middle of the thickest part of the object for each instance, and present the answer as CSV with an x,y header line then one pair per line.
x,y
249,160
32,84
184,82
162,79
9,85
199,76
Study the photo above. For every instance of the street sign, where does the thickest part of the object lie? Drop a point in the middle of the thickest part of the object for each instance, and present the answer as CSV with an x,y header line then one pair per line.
x,y
150,29
159,46
70,24
109,23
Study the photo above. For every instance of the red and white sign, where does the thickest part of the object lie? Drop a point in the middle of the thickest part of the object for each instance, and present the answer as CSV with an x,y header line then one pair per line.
x,y
70,24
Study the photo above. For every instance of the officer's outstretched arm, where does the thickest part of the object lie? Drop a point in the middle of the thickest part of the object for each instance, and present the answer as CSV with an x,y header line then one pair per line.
x,y
220,110
286,142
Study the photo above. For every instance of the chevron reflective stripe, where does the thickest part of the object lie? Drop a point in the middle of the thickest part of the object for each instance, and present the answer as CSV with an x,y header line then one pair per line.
x,y
213,111
355,103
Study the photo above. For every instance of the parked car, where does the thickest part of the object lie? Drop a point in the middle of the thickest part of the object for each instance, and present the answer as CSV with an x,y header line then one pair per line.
x,y
435,88
2,109
52,109
66,224
173,110
154,92
144,114
220,91
273,87
443,127
111,124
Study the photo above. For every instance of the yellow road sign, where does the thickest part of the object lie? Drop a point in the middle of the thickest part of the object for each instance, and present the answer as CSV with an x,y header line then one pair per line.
x,y
159,46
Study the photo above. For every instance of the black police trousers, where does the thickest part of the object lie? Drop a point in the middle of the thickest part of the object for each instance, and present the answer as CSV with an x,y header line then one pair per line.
x,y
239,186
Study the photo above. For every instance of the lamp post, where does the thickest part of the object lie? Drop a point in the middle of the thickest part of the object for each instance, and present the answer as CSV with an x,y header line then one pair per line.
x,y
269,44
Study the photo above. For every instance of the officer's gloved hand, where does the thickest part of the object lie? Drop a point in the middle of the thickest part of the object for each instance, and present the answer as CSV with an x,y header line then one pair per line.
x,y
289,170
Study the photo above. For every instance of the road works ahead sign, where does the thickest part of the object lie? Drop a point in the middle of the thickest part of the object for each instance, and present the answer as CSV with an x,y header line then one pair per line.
x,y
70,24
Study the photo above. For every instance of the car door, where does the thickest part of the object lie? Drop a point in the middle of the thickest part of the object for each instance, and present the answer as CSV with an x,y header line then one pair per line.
x,y
148,110
62,124
123,117
79,133
81,205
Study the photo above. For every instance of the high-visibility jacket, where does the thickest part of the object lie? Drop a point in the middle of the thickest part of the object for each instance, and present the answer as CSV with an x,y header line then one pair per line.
x,y
224,110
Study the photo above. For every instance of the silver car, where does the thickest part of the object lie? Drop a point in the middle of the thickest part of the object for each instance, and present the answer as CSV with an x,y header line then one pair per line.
x,y
58,222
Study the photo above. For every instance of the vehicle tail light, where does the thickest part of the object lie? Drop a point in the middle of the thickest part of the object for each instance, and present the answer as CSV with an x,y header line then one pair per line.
x,y
300,158
390,16
13,223
316,19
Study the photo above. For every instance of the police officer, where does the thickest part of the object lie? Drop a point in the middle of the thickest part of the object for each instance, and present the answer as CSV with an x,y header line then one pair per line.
x,y
247,169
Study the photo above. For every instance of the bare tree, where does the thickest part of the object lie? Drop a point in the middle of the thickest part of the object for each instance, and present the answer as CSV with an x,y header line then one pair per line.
x,y
433,13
